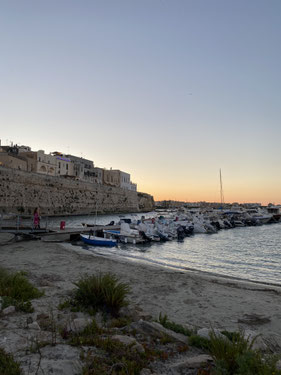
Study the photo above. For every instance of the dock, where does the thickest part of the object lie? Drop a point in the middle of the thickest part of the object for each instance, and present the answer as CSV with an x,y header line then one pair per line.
x,y
49,234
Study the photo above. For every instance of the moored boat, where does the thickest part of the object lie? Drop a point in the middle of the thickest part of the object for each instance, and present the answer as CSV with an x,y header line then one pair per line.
x,y
98,241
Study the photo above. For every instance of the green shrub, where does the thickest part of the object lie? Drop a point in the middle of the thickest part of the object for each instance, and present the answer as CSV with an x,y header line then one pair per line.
x,y
120,322
112,356
236,357
87,337
178,328
103,292
120,359
199,342
8,366
15,289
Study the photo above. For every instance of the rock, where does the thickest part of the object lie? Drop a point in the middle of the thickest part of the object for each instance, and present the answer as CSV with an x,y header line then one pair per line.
x,y
206,332
145,371
35,326
258,342
125,312
9,310
193,362
254,319
157,330
6,238
55,360
127,340
15,341
99,319
29,320
78,325
42,316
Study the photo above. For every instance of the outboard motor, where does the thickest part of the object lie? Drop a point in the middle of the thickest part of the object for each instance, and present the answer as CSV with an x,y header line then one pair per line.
x,y
180,233
144,236
216,224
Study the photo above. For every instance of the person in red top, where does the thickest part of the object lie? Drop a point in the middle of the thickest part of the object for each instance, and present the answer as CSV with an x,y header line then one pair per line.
x,y
36,218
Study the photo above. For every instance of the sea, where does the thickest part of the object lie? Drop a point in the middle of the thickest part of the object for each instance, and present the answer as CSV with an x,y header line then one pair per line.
x,y
245,253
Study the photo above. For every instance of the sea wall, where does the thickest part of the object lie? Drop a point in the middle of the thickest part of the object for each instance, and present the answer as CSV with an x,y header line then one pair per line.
x,y
21,192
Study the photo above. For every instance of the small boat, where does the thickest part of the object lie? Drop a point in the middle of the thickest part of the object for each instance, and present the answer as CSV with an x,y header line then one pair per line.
x,y
125,234
122,237
98,241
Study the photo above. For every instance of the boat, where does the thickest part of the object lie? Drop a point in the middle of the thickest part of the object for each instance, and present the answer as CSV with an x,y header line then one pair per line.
x,y
275,211
125,234
98,241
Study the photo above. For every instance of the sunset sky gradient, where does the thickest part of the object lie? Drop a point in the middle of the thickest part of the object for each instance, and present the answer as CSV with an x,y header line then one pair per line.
x,y
168,91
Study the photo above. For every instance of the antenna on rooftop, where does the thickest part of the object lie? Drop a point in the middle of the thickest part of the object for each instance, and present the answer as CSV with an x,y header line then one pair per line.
x,y
222,196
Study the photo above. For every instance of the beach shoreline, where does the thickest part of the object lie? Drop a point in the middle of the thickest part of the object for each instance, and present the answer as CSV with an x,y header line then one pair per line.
x,y
187,297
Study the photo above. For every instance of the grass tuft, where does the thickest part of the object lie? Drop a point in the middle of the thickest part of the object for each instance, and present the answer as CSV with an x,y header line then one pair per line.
x,y
103,292
199,342
8,366
235,356
16,290
115,357
178,328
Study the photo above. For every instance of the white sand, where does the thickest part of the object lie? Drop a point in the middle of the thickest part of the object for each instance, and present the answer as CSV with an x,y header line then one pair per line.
x,y
186,297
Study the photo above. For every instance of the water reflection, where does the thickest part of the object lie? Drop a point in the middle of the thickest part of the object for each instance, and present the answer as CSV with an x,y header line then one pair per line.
x,y
252,253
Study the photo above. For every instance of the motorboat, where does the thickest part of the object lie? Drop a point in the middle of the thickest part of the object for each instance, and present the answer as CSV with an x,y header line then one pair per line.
x,y
98,241
125,234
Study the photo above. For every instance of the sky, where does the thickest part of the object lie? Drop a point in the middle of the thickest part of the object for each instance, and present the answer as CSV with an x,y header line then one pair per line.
x,y
170,91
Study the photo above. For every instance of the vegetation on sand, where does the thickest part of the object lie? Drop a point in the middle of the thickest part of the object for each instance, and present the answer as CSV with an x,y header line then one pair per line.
x,y
100,292
237,357
233,354
8,366
178,328
16,290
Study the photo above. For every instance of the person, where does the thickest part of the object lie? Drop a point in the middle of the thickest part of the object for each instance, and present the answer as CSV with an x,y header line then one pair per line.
x,y
36,218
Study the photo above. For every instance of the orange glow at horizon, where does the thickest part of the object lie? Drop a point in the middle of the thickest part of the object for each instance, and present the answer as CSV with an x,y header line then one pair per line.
x,y
211,193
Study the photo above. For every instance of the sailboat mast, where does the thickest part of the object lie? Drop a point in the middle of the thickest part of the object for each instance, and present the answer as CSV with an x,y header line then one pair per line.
x,y
222,196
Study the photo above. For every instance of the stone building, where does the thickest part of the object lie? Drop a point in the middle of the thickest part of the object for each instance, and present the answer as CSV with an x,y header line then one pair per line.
x,y
83,168
12,161
16,157
133,186
115,177
98,175
40,162
64,166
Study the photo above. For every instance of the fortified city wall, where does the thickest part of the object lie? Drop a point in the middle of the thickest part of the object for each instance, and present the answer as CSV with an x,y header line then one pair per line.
x,y
21,192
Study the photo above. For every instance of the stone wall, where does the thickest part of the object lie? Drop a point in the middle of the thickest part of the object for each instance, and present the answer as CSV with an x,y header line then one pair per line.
x,y
21,192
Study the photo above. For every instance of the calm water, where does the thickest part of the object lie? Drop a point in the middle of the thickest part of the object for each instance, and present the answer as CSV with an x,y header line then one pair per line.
x,y
251,253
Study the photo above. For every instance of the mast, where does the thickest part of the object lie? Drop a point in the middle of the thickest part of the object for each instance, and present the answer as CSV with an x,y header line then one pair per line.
x,y
222,196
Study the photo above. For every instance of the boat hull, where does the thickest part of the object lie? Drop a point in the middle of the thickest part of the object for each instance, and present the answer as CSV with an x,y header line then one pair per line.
x,y
98,241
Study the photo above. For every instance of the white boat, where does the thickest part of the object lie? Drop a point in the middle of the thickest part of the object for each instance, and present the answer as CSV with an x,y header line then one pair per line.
x,y
125,234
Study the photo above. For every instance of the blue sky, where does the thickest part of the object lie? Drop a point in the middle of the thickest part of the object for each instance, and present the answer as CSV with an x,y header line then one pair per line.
x,y
169,91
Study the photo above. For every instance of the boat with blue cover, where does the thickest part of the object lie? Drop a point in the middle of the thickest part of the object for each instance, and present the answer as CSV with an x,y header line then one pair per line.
x,y
98,241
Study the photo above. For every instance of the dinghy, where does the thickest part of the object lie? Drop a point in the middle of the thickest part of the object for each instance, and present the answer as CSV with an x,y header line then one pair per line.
x,y
98,241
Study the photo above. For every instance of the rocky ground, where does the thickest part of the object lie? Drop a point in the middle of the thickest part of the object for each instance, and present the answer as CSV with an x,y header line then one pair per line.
x,y
47,340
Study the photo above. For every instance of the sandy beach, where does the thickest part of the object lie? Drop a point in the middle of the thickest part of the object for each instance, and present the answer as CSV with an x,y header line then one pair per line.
x,y
192,298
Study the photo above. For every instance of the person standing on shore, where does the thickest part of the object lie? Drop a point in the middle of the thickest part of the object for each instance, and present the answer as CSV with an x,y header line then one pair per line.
x,y
36,218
